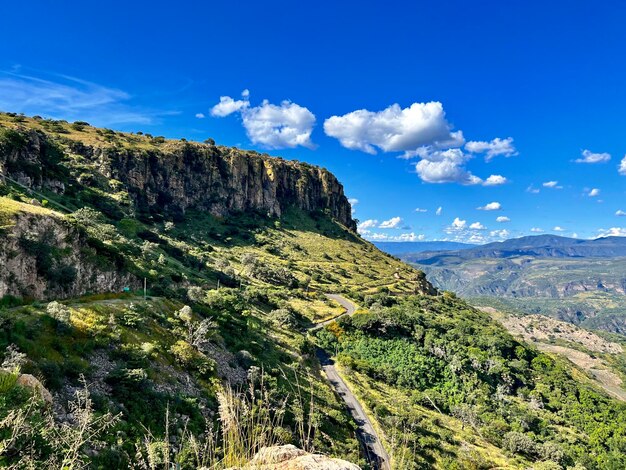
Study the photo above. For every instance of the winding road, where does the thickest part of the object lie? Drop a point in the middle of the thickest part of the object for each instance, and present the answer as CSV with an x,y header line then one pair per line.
x,y
375,452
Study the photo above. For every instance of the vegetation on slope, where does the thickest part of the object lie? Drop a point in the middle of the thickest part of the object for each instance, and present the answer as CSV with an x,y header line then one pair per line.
x,y
231,300
448,357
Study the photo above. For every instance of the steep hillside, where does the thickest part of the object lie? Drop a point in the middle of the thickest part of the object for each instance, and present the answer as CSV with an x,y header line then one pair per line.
x,y
217,358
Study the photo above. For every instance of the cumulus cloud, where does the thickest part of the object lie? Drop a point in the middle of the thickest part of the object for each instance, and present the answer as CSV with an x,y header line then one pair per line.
x,y
591,157
612,232
420,131
228,105
620,213
499,233
495,180
448,166
622,166
502,219
394,129
558,229
286,125
492,206
445,171
594,192
439,210
458,224
477,226
536,230
494,148
200,115
394,222
419,209
367,224
552,185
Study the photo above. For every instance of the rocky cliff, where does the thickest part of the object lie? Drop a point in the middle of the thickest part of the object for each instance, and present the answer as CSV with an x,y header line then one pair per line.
x,y
167,178
43,256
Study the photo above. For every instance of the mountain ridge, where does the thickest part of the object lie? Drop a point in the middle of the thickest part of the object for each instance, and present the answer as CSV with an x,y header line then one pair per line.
x,y
160,178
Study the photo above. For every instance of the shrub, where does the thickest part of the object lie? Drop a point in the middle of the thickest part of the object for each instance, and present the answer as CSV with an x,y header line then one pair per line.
x,y
187,356
519,443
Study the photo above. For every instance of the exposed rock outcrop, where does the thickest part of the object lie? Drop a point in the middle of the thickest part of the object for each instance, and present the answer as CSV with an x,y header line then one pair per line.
x,y
173,177
289,457
43,256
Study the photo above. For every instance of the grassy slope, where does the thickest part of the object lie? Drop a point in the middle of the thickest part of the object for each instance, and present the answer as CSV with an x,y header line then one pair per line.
x,y
200,251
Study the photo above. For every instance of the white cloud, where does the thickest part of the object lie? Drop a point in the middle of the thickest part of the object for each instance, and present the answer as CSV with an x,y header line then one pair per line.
x,y
419,209
64,97
439,210
495,180
404,237
612,232
228,106
458,224
536,230
620,213
552,185
502,219
531,189
353,202
622,166
394,222
200,115
477,226
443,166
494,148
287,125
558,229
492,206
499,233
446,171
591,157
367,224
594,192
394,129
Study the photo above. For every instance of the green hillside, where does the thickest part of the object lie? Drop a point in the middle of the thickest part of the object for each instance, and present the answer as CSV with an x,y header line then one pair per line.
x,y
218,358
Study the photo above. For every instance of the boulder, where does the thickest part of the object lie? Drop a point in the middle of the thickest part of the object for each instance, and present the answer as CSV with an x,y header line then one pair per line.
x,y
32,382
289,457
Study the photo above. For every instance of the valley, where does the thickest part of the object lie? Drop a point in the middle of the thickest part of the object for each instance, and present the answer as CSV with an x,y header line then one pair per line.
x,y
578,281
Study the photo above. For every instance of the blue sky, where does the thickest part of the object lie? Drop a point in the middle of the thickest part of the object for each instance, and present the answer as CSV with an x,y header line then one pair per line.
x,y
413,105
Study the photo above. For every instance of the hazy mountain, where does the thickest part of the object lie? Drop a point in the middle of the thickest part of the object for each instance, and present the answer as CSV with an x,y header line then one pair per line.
x,y
397,248
546,246
580,281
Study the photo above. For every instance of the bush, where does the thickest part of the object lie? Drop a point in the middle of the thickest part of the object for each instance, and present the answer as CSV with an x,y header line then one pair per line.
x,y
519,443
187,356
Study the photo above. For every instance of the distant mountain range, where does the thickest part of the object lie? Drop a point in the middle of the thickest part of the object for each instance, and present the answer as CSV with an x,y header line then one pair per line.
x,y
580,281
545,246
397,248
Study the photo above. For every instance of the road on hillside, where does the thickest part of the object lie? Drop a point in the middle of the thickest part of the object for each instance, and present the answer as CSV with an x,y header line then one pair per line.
x,y
345,303
374,451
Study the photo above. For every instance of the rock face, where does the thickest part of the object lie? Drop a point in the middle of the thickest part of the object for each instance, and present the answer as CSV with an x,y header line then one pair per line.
x,y
289,457
43,256
171,178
